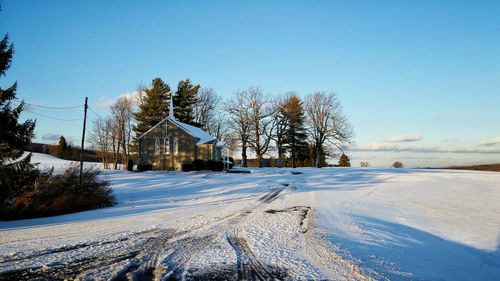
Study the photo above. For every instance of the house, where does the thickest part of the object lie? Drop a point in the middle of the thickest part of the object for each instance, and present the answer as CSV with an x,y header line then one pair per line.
x,y
171,143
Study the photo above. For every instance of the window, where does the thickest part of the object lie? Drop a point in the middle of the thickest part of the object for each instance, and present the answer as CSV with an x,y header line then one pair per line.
x,y
166,127
166,146
176,146
157,146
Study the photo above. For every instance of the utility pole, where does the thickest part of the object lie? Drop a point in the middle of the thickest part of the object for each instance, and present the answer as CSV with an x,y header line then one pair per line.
x,y
83,141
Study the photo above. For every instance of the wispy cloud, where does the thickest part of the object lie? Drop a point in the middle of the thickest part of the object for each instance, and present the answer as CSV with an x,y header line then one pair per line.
x,y
491,142
396,147
51,137
78,71
405,138
451,140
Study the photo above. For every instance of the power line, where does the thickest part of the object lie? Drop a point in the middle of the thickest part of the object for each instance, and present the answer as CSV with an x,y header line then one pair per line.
x,y
50,117
49,107
93,111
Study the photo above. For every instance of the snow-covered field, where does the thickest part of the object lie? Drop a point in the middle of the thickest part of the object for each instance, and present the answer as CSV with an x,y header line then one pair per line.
x,y
331,223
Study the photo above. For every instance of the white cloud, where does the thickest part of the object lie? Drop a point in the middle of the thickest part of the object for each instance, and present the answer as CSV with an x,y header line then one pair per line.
x,y
491,142
106,103
51,137
405,138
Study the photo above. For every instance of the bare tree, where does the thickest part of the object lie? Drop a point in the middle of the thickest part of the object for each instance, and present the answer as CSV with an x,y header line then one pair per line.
x,y
231,143
114,136
137,101
218,126
239,121
327,125
205,109
99,138
122,118
260,111
364,164
139,98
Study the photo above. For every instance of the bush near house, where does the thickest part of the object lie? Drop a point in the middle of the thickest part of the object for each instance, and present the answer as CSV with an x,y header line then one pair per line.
x,y
187,167
215,166
141,167
219,166
42,194
199,165
210,165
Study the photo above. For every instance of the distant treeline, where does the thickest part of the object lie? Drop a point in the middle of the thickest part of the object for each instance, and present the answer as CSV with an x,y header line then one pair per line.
x,y
486,167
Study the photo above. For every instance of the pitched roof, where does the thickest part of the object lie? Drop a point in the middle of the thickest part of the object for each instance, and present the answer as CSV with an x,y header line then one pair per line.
x,y
196,132
202,136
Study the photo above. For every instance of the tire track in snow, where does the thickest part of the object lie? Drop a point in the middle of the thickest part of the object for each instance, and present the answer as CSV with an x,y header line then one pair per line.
x,y
67,248
248,265
166,254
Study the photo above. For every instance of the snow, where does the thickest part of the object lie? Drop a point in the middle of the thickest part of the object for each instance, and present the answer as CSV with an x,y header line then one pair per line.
x,y
330,223
46,161
204,137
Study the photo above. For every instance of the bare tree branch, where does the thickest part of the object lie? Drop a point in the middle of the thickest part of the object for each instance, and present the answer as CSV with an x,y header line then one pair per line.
x,y
327,124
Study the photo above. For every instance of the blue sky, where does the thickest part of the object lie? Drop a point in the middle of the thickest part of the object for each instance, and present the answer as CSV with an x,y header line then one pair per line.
x,y
419,80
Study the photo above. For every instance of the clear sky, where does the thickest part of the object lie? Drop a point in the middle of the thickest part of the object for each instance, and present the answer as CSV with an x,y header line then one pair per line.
x,y
419,80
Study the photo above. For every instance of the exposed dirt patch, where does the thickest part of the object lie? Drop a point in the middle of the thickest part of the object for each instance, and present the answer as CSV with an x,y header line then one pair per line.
x,y
302,211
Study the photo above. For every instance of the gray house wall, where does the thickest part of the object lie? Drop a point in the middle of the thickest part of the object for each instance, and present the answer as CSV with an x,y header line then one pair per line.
x,y
188,151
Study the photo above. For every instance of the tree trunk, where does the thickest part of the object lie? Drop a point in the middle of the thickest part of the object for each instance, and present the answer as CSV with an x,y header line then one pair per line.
x,y
117,155
244,156
124,148
103,157
259,160
318,156
278,161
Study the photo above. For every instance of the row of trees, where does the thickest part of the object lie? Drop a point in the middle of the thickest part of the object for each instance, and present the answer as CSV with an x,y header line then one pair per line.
x,y
290,124
300,132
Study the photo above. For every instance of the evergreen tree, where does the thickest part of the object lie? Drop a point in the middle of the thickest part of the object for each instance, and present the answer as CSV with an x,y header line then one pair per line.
x,y
295,134
184,102
63,148
344,161
153,107
14,136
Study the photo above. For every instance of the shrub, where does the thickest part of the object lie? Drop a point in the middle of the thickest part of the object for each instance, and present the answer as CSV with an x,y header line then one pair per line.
x,y
144,167
130,165
198,165
213,165
344,161
397,164
219,166
210,165
51,194
187,167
